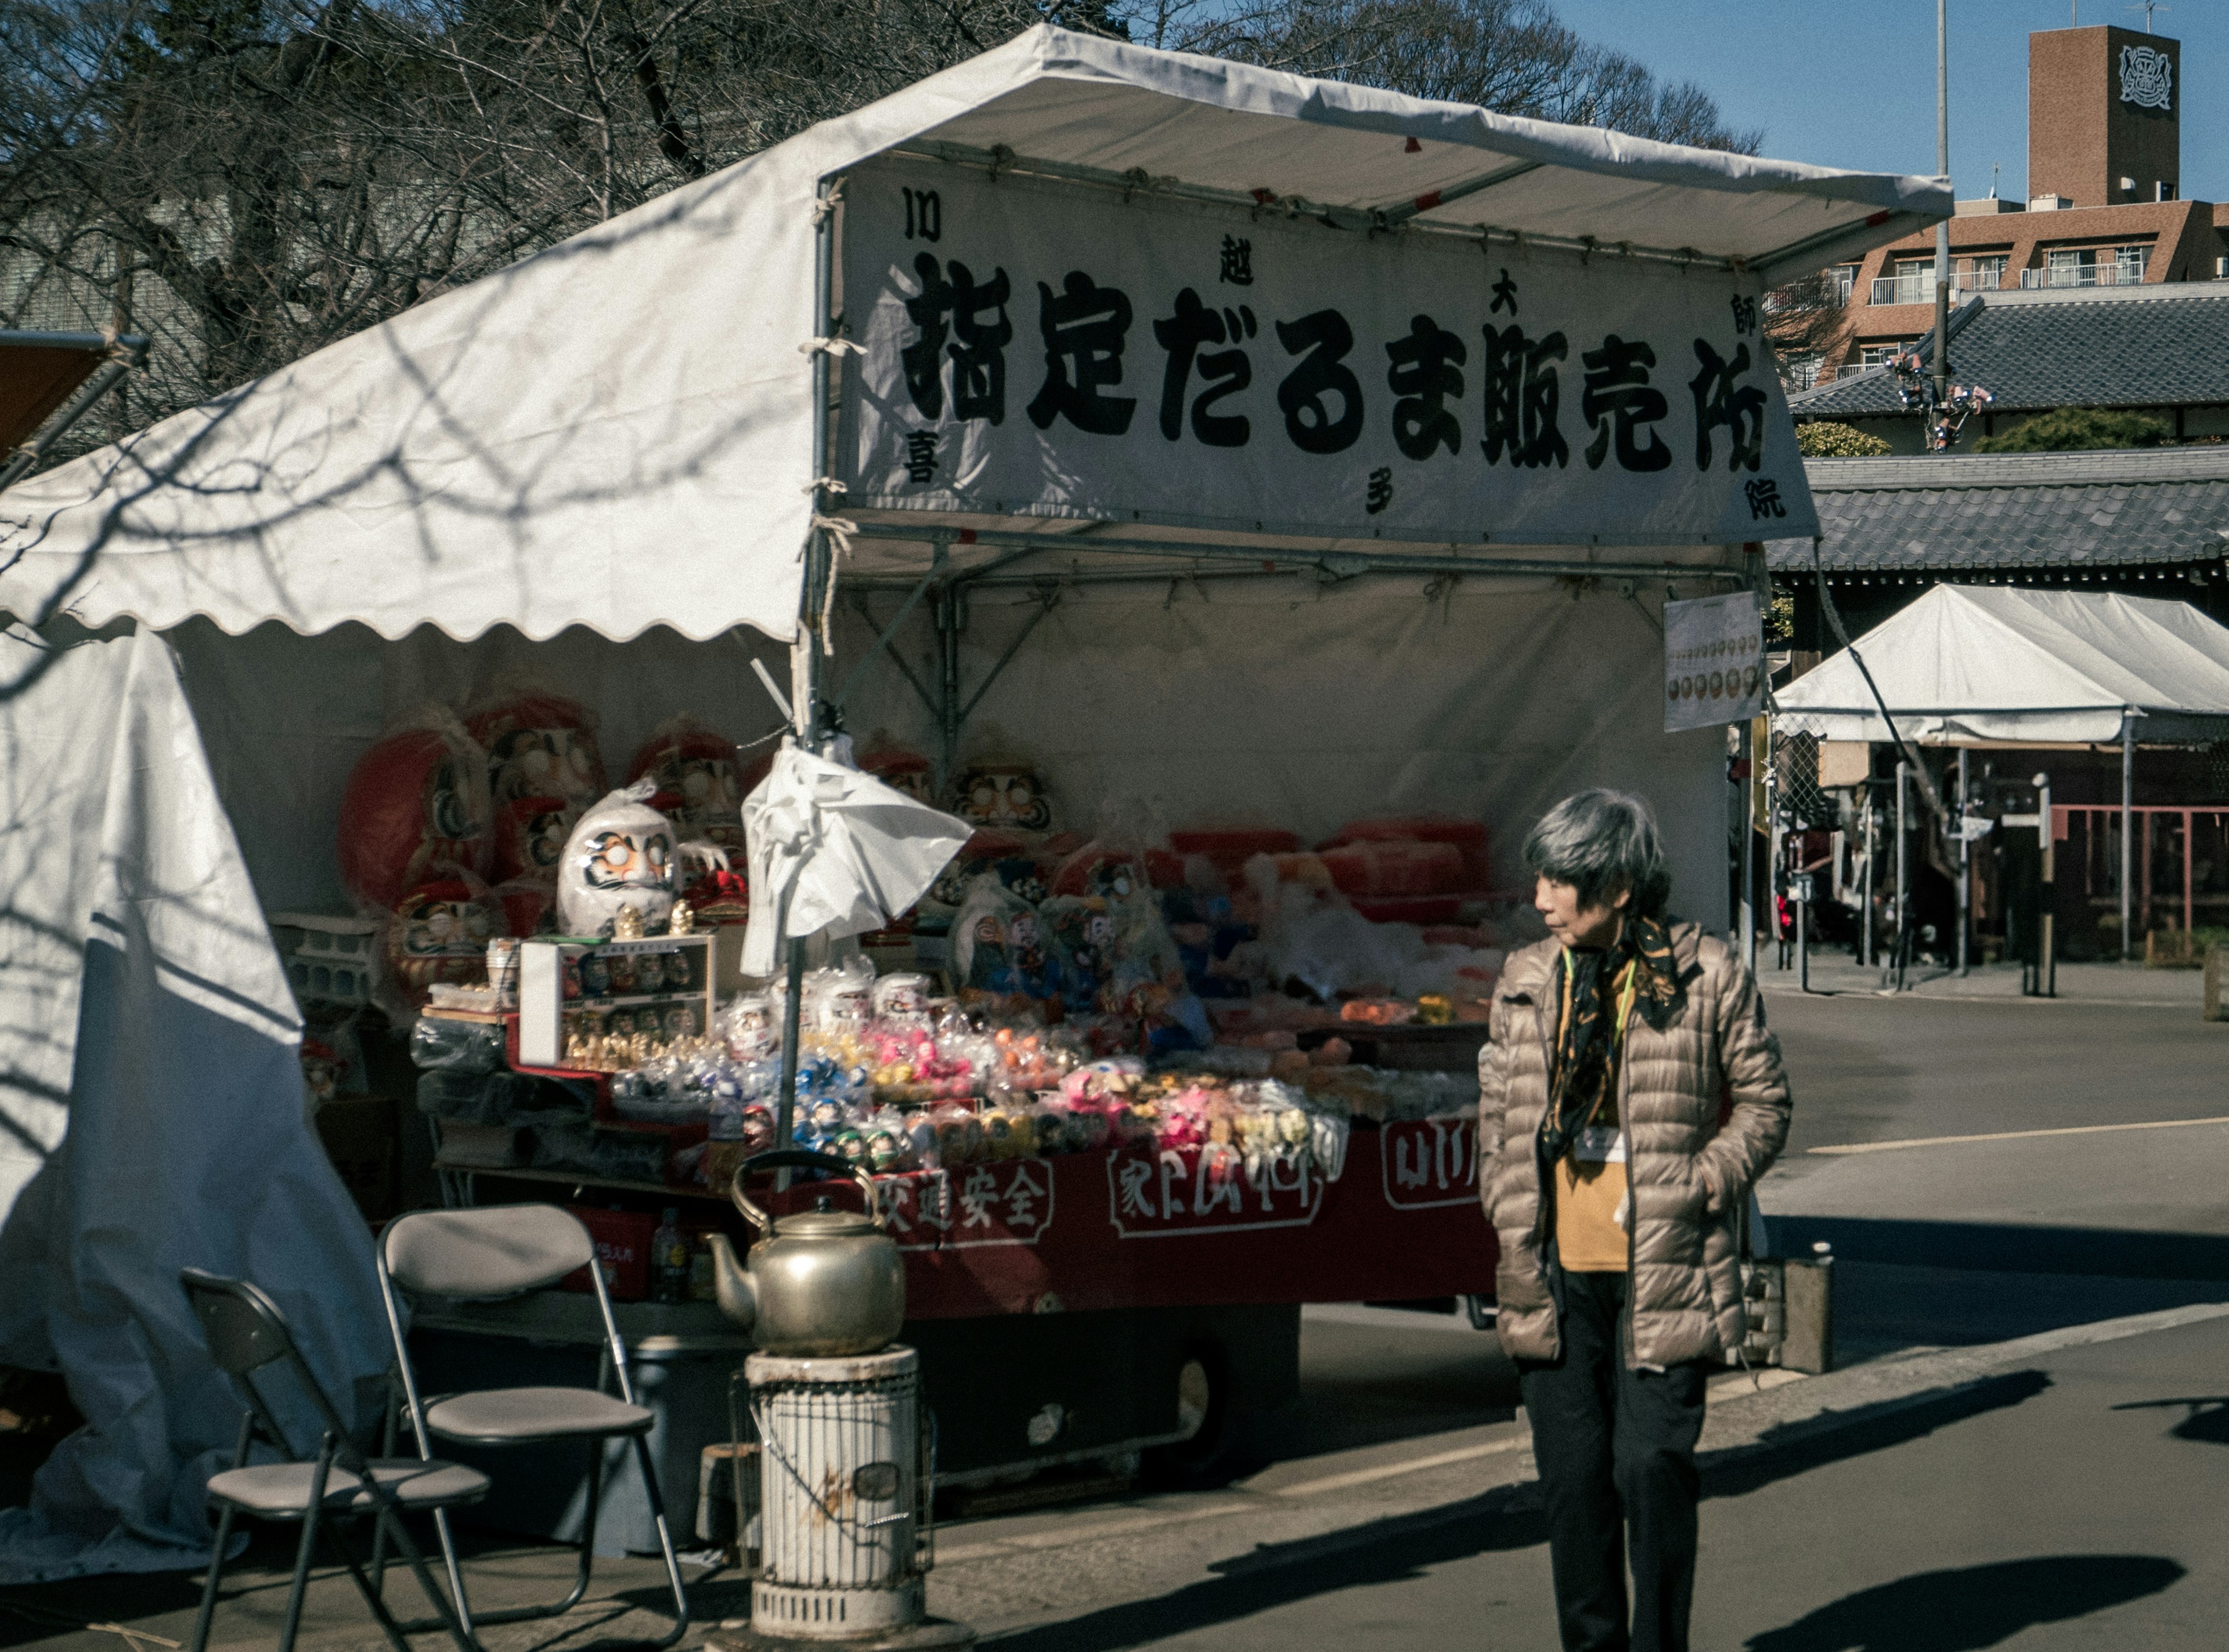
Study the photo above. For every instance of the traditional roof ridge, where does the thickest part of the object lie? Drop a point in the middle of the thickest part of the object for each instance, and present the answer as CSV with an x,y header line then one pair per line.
x,y
2135,293
1941,471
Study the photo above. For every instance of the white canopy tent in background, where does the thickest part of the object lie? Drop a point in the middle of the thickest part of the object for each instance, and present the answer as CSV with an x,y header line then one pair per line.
x,y
1970,665
611,460
1967,664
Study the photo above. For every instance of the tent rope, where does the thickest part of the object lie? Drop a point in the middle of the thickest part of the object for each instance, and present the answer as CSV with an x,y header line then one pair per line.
x,y
839,531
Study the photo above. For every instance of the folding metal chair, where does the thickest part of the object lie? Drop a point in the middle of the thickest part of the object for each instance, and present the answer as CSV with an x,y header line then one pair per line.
x,y
473,1254
247,1333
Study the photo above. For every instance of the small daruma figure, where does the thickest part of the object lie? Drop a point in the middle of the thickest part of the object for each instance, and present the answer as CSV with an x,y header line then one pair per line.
x,y
414,800
899,767
438,932
1003,792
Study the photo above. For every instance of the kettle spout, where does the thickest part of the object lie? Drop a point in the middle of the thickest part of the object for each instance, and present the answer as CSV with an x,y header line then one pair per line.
x,y
731,1283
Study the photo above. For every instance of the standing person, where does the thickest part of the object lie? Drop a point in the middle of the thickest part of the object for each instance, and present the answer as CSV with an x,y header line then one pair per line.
x,y
1629,1099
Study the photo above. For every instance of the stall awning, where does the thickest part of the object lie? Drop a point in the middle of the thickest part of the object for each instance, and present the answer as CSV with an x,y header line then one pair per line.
x,y
617,432
1969,664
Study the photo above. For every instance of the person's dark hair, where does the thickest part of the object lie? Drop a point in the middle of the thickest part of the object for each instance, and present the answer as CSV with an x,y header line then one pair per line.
x,y
1600,842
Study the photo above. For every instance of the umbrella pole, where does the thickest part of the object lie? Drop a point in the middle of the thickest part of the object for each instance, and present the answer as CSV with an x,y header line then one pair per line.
x,y
1965,865
2128,844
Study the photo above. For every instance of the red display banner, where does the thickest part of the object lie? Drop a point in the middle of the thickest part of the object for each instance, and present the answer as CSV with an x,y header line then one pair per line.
x,y
1034,1234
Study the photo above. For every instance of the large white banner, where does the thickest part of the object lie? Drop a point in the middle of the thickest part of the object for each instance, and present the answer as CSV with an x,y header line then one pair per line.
x,y
1059,349
1714,666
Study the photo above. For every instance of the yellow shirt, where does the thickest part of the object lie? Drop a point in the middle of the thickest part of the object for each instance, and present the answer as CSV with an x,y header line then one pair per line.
x,y
1590,1181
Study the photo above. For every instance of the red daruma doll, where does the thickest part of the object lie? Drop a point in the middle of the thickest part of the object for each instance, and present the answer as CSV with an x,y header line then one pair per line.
x,y
416,802
699,783
438,932
539,744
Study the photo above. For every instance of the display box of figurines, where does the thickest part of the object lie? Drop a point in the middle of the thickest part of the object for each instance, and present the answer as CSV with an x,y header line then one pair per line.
x,y
611,1005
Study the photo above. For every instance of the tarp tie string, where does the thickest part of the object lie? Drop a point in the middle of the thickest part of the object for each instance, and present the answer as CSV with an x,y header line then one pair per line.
x,y
839,529
822,205
838,348
825,484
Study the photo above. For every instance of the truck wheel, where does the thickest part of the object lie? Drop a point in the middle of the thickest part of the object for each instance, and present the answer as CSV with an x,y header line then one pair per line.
x,y
1214,1452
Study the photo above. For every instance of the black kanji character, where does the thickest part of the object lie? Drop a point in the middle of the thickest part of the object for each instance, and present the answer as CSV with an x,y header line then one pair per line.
x,y
1325,338
920,456
923,359
1744,315
1084,326
1763,499
1237,261
1524,393
1505,293
1718,401
978,314
1617,399
1379,493
1425,371
1226,371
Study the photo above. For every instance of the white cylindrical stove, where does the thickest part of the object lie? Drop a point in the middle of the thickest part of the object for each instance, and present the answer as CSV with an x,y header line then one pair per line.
x,y
845,1483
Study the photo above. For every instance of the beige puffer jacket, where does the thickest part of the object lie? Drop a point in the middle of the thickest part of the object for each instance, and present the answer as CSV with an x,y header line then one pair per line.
x,y
1688,1176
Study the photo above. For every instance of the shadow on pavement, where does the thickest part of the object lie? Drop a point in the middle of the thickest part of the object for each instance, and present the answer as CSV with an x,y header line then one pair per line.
x,y
2207,1418
1973,1607
1508,1517
2004,1247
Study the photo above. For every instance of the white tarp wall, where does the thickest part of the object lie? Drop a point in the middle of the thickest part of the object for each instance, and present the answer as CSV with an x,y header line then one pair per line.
x,y
151,1113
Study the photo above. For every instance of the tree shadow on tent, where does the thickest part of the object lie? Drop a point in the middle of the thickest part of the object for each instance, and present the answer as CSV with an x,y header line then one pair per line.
x,y
1973,1607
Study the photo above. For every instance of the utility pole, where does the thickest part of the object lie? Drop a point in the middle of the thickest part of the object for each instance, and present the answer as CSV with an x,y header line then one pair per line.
x,y
1942,230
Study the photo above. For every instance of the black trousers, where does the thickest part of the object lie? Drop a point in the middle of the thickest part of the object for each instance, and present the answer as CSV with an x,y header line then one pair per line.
x,y
1616,1454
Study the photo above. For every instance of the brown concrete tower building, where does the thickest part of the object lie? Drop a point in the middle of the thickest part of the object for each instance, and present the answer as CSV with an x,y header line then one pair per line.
x,y
2103,213
2103,113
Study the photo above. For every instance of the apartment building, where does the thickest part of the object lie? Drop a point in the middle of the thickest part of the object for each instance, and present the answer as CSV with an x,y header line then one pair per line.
x,y
2104,208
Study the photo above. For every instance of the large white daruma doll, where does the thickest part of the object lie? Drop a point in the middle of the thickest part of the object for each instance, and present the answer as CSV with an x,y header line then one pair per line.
x,y
623,853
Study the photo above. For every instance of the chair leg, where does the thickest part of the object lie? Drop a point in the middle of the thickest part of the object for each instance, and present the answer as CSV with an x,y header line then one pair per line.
x,y
464,1607
215,1571
338,1541
665,1542
304,1552
452,1619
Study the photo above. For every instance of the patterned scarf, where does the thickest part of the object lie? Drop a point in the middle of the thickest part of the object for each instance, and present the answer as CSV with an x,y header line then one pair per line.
x,y
1584,1085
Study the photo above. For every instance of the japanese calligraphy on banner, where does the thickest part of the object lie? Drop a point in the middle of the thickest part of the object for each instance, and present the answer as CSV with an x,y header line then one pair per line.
x,y
1033,347
1425,1163
1210,1189
1714,667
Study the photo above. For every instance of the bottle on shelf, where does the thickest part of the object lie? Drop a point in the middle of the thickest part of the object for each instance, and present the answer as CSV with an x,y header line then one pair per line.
x,y
669,1252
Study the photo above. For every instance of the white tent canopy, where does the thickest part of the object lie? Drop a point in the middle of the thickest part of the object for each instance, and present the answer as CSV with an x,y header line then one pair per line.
x,y
619,432
1966,665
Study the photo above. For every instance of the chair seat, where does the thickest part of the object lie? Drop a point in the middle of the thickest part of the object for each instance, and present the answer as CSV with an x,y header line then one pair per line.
x,y
281,1490
515,1416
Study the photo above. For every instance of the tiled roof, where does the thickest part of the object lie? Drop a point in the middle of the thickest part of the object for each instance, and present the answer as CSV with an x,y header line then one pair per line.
x,y
2096,510
2165,345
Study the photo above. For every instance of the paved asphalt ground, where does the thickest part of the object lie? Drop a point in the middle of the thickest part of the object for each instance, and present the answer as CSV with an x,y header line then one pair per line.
x,y
1994,1468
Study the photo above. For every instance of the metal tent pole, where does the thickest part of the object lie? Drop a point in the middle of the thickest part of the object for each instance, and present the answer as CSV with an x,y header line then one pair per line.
x,y
1866,901
1942,228
1965,865
1903,874
2046,905
2127,843
1748,904
804,653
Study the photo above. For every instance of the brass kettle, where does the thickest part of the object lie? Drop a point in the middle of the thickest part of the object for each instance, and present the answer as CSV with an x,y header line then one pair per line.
x,y
821,1283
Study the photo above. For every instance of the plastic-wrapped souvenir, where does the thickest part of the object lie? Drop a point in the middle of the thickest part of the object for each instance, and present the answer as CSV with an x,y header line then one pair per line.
x,y
699,779
416,806
959,1136
539,744
621,853
1000,945
750,1028
902,1000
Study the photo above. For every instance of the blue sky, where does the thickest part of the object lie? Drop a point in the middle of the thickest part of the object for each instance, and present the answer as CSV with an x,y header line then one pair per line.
x,y
1851,82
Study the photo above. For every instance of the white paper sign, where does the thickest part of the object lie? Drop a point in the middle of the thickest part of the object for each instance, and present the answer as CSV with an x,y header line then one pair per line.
x,y
1714,669
1035,347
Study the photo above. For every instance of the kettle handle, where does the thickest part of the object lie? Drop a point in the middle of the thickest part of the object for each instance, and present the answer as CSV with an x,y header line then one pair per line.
x,y
799,1159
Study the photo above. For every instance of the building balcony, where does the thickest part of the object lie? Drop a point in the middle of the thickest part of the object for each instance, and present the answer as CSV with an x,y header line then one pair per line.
x,y
2109,274
1920,288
